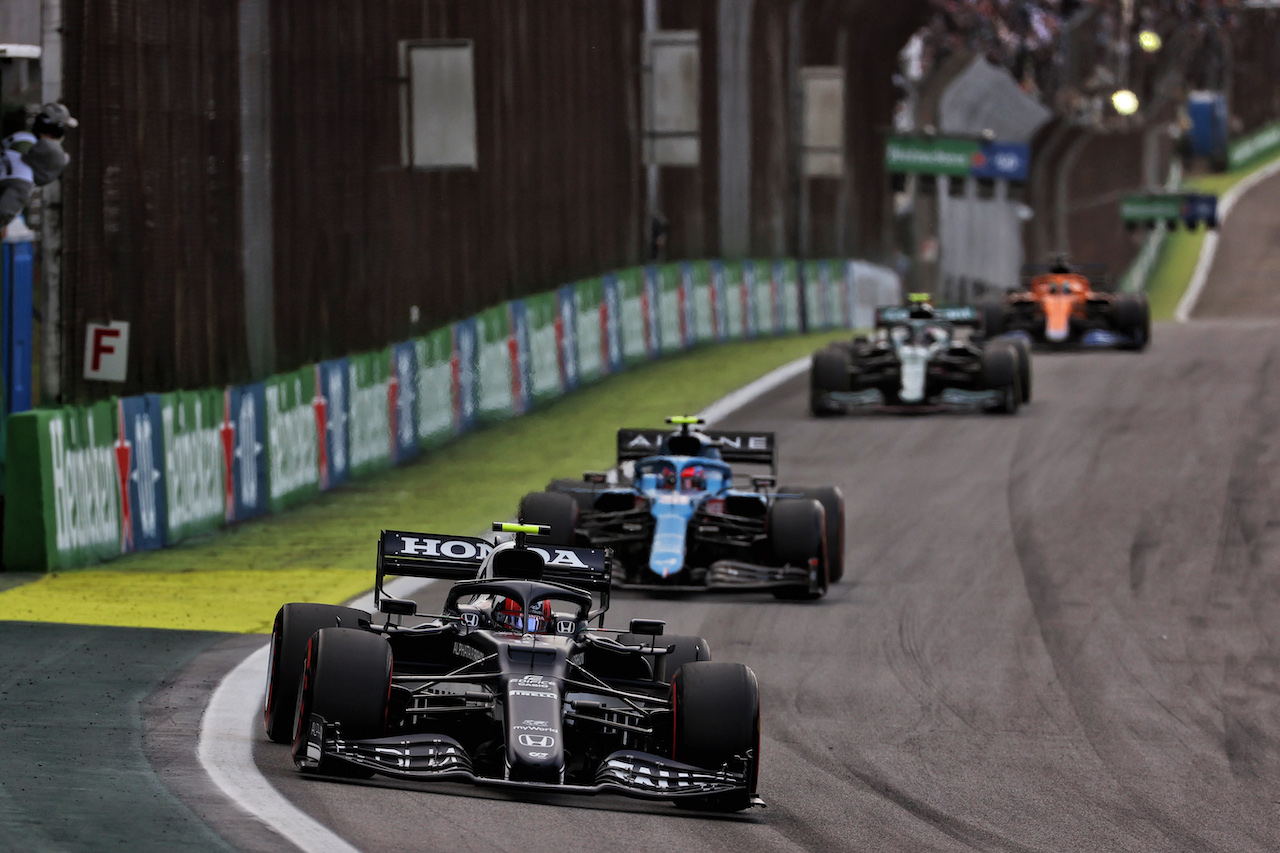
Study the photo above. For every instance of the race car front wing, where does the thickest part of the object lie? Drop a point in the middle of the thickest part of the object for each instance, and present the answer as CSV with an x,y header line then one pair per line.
x,y
433,757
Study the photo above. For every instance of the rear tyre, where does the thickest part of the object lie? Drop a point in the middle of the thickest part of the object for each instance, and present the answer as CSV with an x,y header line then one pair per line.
x,y
346,680
582,492
829,372
683,650
293,627
557,511
992,319
832,500
797,527
1132,317
1000,373
717,721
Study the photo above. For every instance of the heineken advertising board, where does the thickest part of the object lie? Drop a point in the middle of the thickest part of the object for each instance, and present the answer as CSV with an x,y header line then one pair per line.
x,y
368,412
544,333
494,357
194,462
293,438
88,483
436,387
922,155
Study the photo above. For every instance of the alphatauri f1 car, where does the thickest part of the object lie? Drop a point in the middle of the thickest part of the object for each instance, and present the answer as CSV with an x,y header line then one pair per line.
x,y
673,516
922,358
510,685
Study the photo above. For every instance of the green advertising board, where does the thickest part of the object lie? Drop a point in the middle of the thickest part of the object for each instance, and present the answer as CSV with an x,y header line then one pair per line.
x,y
763,307
930,155
735,285
1149,207
704,319
633,324
788,272
194,463
62,463
541,313
493,365
435,387
293,464
588,302
369,416
668,292
1254,147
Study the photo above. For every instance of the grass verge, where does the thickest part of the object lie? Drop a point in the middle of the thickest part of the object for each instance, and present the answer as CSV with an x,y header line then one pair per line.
x,y
235,580
1181,251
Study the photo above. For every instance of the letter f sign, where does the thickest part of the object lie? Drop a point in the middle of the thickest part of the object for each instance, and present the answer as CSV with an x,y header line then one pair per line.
x,y
106,351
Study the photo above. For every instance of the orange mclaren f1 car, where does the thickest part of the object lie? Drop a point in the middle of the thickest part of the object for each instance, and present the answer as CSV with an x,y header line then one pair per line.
x,y
1060,308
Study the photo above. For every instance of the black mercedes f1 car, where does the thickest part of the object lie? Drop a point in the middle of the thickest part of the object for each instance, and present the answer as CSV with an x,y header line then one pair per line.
x,y
510,685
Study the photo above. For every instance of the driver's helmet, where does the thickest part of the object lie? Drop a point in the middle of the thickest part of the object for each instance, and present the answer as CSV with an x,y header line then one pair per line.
x,y
508,615
693,478
667,477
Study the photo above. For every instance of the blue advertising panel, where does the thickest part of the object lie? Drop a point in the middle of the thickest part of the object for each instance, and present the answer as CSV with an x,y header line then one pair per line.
x,y
139,454
245,442
333,408
518,317
612,321
464,375
404,400
1004,161
688,322
649,304
567,337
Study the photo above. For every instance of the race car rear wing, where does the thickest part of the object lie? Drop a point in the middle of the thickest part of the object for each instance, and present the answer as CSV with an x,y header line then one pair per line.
x,y
959,315
757,448
459,558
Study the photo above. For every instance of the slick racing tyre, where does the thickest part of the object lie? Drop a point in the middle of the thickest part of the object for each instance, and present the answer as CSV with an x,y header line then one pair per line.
x,y
557,511
832,500
717,722
683,650
829,372
1000,373
992,319
346,680
293,627
1023,348
582,492
1131,315
797,527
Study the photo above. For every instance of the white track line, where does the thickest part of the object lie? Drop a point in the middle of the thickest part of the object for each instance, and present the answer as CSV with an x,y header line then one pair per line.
x,y
232,722
730,403
1209,248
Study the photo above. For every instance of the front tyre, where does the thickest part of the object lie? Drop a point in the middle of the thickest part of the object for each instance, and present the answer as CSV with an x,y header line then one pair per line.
x,y
797,527
346,680
832,500
1000,374
717,723
293,627
1132,318
828,373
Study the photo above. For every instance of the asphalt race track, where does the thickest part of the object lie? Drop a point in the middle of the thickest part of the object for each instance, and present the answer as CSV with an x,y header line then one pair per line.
x,y
1058,631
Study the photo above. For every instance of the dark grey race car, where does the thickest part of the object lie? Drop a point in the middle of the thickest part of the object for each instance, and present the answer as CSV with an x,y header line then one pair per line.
x,y
509,685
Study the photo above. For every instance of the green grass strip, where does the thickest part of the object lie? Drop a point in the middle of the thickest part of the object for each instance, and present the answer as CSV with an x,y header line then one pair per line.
x,y
235,580
1181,250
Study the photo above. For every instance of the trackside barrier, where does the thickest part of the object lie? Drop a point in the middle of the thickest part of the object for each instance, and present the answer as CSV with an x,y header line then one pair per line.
x,y
87,483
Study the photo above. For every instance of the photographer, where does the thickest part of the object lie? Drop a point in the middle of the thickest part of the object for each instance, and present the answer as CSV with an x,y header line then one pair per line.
x,y
30,159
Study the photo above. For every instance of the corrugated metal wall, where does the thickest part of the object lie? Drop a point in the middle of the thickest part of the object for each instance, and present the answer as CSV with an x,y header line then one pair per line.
x,y
160,191
150,198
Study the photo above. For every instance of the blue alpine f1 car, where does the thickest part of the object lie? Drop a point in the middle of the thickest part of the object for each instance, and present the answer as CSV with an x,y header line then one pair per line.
x,y
678,518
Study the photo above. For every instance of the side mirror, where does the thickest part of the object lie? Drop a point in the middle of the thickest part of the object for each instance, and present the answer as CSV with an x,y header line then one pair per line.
x,y
597,477
760,483
398,606
648,627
